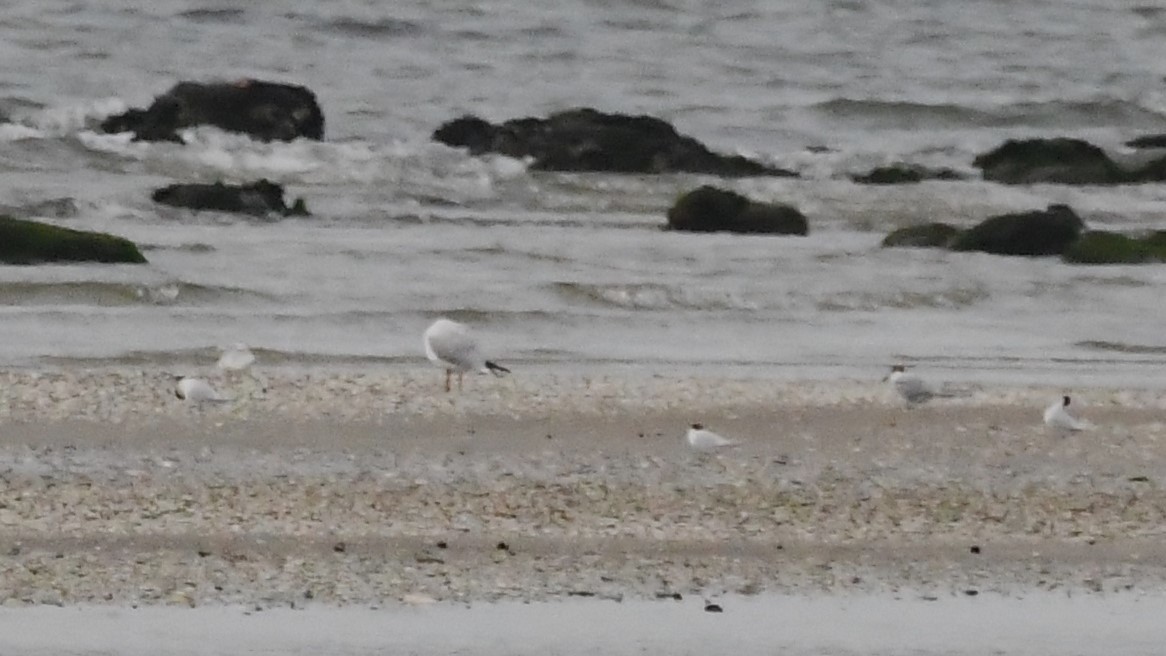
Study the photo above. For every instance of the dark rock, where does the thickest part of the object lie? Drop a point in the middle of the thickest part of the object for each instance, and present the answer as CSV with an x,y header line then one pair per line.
x,y
975,549
713,608
1153,171
1064,161
709,209
1047,232
588,140
1148,141
30,242
1103,247
904,174
928,235
257,199
269,111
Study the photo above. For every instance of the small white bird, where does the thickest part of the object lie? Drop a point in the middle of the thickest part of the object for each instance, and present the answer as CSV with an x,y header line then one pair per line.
x,y
1058,418
912,388
236,357
703,439
197,390
449,344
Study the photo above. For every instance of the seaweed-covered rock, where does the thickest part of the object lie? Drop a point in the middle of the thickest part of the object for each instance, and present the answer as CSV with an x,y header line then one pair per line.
x,y
269,111
588,140
1103,247
1156,239
1047,232
31,242
928,235
904,174
1061,160
709,209
256,199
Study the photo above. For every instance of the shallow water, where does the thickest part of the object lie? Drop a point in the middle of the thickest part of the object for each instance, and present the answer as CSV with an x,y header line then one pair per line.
x,y
1031,625
572,270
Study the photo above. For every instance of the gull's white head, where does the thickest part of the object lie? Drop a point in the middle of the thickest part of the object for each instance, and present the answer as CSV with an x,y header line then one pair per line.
x,y
897,372
1057,416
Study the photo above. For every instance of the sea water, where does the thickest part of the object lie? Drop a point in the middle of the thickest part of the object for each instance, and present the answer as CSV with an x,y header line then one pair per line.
x,y
573,270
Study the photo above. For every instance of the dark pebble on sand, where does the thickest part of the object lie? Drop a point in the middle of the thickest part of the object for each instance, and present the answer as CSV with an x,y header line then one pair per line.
x,y
442,545
339,547
975,549
971,592
713,608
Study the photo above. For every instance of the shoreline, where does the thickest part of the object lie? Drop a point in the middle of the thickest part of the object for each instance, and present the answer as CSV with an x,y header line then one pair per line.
x,y
1043,623
355,489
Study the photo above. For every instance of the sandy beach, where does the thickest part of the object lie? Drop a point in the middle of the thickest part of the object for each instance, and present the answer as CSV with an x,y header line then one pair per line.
x,y
359,488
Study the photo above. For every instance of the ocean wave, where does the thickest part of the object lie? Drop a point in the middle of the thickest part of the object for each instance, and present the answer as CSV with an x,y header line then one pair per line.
x,y
651,296
424,169
379,28
1121,347
59,121
192,247
181,359
959,297
55,208
943,116
214,16
112,294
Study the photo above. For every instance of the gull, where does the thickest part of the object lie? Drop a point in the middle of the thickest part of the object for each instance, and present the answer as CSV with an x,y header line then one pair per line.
x,y
449,344
703,439
912,388
1058,418
236,358
197,390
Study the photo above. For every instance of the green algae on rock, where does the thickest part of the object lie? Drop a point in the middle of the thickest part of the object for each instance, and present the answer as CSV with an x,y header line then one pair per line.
x,y
928,235
31,242
1104,247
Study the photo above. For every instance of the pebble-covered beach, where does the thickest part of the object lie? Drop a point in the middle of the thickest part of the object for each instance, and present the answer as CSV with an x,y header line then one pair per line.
x,y
376,487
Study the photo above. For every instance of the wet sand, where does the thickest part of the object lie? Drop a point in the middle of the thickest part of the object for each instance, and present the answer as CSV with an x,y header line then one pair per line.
x,y
330,489
1036,625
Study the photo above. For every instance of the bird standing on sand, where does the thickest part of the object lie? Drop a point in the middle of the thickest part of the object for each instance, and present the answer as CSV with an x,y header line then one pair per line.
x,y
911,387
703,439
1058,418
449,344
198,391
